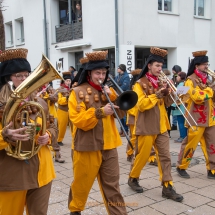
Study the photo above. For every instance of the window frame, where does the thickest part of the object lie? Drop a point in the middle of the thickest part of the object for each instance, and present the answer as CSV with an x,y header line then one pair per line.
x,y
207,10
174,8
20,33
9,39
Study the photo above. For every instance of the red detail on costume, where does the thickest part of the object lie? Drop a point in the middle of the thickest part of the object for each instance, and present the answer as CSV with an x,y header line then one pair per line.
x,y
201,75
201,93
153,79
97,87
201,109
65,86
212,148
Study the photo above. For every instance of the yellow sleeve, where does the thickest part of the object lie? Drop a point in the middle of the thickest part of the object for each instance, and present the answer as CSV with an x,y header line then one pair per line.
x,y
46,96
3,144
113,96
197,95
144,102
83,119
133,111
62,100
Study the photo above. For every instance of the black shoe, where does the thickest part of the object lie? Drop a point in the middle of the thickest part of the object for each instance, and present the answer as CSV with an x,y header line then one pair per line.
x,y
130,157
182,173
174,127
153,163
75,213
134,184
211,175
170,193
60,143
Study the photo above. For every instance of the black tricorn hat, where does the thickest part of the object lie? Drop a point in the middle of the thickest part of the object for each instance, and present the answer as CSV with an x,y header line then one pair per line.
x,y
199,57
13,61
157,55
97,60
67,75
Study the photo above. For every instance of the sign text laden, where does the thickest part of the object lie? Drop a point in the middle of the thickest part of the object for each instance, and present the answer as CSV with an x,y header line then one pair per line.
x,y
129,60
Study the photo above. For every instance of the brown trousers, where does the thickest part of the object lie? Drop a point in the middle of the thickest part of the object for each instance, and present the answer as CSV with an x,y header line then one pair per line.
x,y
103,165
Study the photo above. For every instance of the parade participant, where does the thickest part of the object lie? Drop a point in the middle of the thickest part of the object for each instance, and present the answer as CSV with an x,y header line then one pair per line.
x,y
23,182
152,124
96,138
201,107
131,113
50,96
62,111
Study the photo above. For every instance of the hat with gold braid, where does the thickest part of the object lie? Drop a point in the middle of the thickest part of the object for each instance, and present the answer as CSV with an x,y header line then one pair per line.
x,y
157,55
13,61
97,60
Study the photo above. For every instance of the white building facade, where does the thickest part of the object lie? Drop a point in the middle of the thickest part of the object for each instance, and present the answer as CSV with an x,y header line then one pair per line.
x,y
127,29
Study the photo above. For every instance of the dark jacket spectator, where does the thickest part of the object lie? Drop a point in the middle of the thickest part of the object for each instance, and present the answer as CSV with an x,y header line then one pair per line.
x,y
122,78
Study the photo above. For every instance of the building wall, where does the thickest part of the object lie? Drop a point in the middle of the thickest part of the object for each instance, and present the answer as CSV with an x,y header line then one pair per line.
x,y
32,13
140,24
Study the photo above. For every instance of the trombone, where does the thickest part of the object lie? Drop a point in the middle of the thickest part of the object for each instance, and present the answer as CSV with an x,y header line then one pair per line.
x,y
174,89
125,101
211,73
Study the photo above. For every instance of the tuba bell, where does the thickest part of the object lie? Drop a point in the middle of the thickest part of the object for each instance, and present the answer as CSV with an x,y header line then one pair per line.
x,y
17,105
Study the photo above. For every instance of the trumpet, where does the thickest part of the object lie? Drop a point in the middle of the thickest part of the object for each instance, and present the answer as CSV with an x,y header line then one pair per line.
x,y
174,89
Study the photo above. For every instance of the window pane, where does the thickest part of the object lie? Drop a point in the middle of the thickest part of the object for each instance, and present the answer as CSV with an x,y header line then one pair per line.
x,y
195,7
63,6
167,5
201,4
159,4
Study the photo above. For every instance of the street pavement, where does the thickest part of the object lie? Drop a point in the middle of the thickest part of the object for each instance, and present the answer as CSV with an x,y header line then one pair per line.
x,y
198,191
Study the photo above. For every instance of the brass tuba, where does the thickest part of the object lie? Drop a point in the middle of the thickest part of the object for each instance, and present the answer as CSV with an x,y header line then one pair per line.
x,y
16,105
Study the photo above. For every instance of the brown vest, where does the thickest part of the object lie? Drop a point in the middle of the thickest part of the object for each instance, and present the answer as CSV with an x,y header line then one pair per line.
x,y
148,122
91,140
19,174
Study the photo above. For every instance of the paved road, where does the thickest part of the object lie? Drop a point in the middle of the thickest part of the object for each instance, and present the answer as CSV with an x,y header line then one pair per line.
x,y
198,191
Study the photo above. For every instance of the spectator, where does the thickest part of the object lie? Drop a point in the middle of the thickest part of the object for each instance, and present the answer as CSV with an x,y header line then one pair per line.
x,y
72,70
78,12
176,112
123,81
175,70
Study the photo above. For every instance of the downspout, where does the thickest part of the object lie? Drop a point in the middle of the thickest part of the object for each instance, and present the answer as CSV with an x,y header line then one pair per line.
x,y
116,37
45,30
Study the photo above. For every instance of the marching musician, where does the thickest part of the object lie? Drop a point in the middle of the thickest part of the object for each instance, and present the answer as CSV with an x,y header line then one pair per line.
x,y
96,138
23,182
201,107
51,97
151,125
131,113
62,111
